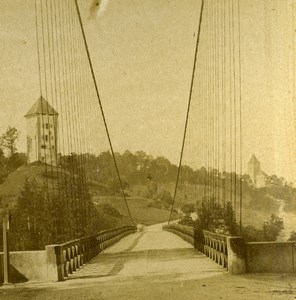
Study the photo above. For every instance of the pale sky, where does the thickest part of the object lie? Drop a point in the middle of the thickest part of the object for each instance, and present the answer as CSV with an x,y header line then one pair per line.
x,y
143,54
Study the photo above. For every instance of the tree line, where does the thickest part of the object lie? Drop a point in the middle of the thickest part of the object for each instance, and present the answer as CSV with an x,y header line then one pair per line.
x,y
41,217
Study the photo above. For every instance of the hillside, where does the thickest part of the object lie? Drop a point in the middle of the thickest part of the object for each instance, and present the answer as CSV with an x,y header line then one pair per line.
x,y
13,184
140,211
258,206
140,170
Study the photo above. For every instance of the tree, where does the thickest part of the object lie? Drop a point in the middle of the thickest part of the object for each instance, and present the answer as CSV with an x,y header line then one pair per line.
x,y
272,228
30,224
229,218
114,185
292,236
165,197
12,160
209,212
3,166
187,209
16,160
151,189
8,140
247,178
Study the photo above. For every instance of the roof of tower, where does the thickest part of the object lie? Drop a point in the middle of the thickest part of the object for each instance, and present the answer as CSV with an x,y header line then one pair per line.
x,y
253,159
41,106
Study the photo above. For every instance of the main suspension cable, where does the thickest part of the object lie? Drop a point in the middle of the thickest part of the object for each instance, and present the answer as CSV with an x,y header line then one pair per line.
x,y
101,107
188,107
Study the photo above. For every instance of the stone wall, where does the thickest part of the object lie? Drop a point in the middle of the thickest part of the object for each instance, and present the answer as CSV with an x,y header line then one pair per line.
x,y
271,257
56,262
25,265
240,257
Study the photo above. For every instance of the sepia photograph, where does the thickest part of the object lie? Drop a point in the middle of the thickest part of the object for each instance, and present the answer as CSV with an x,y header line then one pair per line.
x,y
148,149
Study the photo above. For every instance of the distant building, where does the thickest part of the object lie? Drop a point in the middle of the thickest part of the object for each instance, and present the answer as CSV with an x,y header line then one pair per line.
x,y
258,177
253,168
42,125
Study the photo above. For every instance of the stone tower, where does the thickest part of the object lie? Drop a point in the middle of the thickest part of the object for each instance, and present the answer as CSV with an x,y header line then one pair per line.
x,y
42,125
254,168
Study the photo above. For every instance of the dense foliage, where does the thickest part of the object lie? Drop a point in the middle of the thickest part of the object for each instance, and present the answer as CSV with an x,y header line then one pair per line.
x,y
221,219
41,217
269,232
140,168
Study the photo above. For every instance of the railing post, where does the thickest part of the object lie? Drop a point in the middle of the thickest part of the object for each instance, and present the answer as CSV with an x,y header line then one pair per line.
x,y
5,249
55,262
236,258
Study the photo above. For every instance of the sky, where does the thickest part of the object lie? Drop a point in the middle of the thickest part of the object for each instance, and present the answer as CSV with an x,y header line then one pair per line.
x,y
142,53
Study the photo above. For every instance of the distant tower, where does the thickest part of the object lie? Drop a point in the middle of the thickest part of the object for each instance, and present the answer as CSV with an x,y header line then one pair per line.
x,y
42,125
254,168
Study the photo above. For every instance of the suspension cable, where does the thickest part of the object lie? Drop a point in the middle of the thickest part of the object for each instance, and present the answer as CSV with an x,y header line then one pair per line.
x,y
101,107
188,107
240,120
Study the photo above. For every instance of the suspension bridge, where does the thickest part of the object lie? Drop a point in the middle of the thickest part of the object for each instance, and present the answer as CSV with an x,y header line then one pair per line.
x,y
71,154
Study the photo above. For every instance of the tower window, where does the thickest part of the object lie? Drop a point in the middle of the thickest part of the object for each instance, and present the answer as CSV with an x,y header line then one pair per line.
x,y
43,146
42,158
52,147
46,125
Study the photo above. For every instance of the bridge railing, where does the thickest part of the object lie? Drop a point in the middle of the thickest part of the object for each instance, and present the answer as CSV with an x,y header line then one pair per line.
x,y
215,247
184,232
227,251
64,259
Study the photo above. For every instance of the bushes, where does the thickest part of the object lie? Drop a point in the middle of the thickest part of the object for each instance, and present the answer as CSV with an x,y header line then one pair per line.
x,y
108,209
162,200
214,217
272,228
188,222
269,232
165,197
292,236
187,209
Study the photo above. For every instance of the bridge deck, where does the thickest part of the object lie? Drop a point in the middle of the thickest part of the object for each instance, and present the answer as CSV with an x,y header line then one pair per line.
x,y
152,252
155,265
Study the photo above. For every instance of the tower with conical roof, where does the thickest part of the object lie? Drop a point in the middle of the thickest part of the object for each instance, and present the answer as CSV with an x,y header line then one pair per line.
x,y
42,125
254,168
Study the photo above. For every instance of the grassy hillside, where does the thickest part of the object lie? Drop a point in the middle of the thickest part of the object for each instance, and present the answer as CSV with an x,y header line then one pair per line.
x,y
140,211
12,185
258,205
